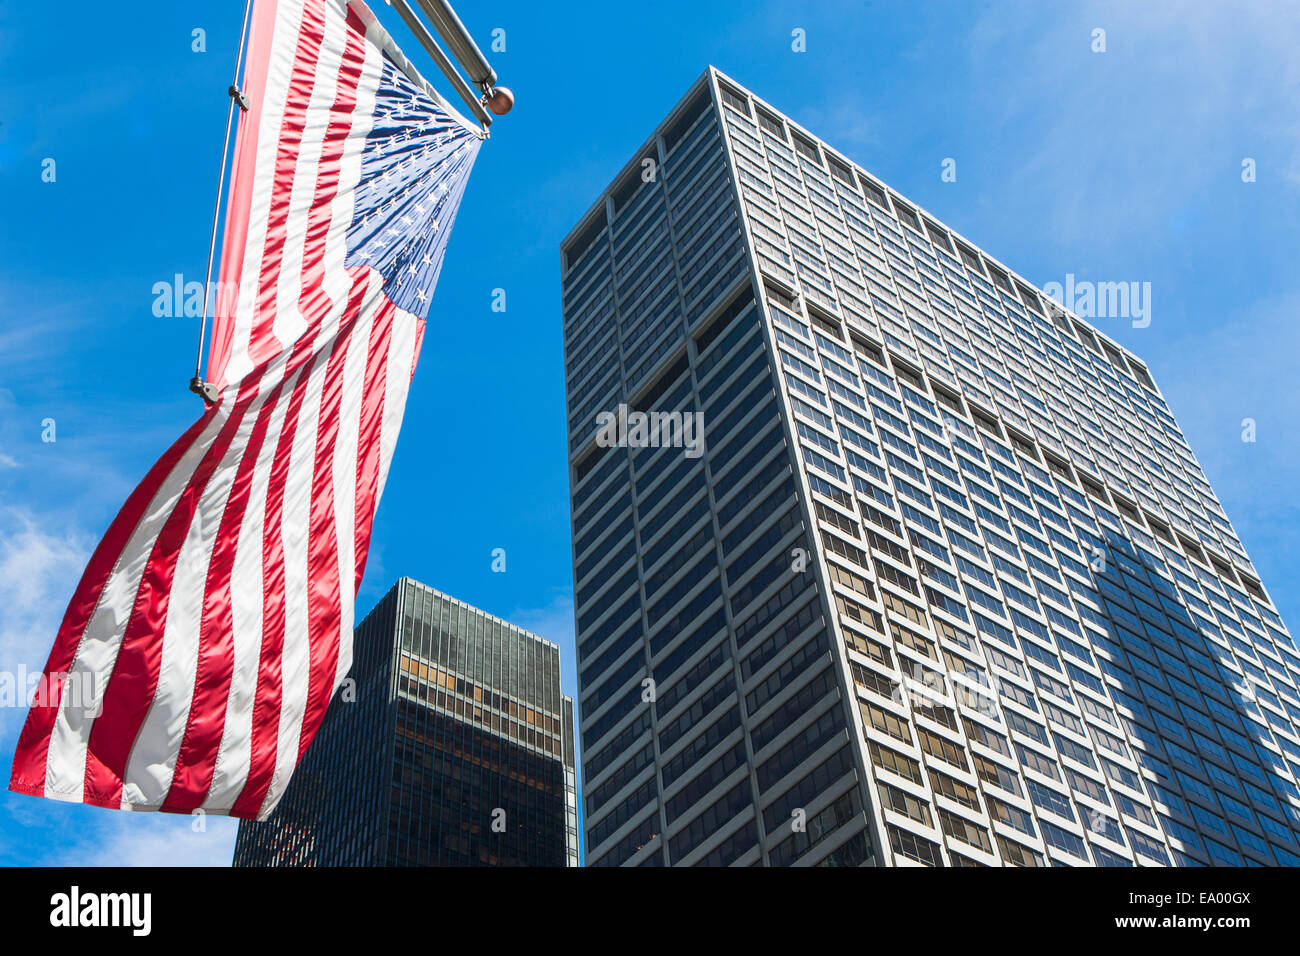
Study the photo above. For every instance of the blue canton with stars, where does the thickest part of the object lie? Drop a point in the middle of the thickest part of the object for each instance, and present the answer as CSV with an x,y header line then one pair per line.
x,y
414,166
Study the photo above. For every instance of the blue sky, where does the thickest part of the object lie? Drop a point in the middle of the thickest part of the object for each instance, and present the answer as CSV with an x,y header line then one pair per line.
x,y
1115,166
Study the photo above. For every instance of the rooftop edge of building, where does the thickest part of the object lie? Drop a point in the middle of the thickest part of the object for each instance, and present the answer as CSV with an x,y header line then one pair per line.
x,y
712,75
453,600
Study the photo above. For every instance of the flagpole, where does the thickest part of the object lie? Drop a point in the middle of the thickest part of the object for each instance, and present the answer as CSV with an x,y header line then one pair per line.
x,y
462,45
417,27
201,388
497,99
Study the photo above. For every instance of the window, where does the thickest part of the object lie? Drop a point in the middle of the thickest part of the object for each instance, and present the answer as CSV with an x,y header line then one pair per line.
x,y
1062,839
954,789
902,802
1115,356
1059,466
1018,854
907,214
870,351
1000,279
806,147
1093,488
1126,509
969,257
1087,337
950,399
1023,445
1192,549
734,98
907,373
997,775
986,422
839,170
914,847
1029,298
874,192
1225,571
689,115
962,829
895,762
942,748
885,722
1140,373
585,239
938,236
771,123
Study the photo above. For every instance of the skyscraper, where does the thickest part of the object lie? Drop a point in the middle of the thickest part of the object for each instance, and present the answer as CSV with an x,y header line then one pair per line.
x,y
451,746
946,585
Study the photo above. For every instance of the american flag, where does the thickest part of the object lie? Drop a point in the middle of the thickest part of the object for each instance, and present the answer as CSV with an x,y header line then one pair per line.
x,y
213,623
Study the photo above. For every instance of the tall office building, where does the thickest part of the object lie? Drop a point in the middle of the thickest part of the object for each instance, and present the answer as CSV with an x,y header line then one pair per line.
x,y
945,586
451,746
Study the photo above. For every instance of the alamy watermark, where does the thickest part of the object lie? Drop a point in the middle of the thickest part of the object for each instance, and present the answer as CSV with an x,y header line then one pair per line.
x,y
76,691
631,429
1103,300
133,911
182,298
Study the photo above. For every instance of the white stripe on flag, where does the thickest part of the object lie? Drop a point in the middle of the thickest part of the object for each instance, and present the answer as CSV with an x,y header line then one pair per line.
x,y
289,320
401,361
279,72
246,582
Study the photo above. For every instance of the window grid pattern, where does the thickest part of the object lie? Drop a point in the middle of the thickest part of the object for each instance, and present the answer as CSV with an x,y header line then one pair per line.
x,y
1056,648
706,686
1055,618
455,749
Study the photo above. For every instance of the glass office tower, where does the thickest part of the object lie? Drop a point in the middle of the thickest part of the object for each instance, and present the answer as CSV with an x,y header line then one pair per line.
x,y
946,585
453,746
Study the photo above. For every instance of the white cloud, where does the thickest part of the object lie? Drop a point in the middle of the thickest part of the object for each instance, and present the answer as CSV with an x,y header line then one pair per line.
x,y
150,839
1183,92
553,621
1214,380
39,568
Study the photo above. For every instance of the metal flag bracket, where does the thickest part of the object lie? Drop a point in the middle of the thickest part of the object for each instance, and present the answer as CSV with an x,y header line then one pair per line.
x,y
205,390
492,101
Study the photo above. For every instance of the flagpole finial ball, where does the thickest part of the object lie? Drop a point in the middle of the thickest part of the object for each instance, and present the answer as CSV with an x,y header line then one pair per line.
x,y
500,101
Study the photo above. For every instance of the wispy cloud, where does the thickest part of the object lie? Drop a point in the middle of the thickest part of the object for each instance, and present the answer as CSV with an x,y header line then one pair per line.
x,y
1216,380
152,839
40,563
1183,89
552,620
39,567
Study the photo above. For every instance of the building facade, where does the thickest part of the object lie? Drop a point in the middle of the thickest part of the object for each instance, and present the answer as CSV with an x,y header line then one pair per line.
x,y
451,745
944,585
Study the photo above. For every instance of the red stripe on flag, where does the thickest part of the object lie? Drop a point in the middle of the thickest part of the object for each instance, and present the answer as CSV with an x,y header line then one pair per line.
x,y
372,417
134,678
313,301
323,585
196,760
419,341
324,598
266,709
